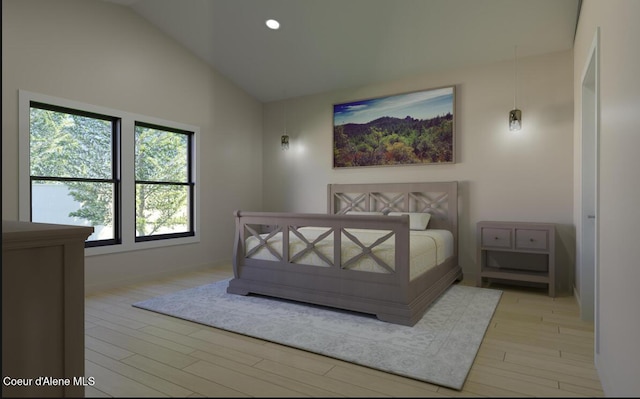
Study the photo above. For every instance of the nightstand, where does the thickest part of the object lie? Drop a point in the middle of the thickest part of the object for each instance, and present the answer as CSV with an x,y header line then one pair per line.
x,y
518,251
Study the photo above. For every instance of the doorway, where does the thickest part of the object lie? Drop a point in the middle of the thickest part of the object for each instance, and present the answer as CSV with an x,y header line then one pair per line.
x,y
589,265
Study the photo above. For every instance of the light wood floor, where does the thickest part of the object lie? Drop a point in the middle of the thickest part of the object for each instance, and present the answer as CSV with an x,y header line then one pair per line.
x,y
534,346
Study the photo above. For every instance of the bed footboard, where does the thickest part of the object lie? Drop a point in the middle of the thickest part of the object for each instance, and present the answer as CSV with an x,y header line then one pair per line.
x,y
318,259
330,280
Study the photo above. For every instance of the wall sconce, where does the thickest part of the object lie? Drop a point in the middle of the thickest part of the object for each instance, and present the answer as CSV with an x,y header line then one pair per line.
x,y
515,115
284,142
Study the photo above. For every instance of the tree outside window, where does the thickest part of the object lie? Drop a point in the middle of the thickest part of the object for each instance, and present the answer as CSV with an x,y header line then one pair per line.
x,y
164,185
73,170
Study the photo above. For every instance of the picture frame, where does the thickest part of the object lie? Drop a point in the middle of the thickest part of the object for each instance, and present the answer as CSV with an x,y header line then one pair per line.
x,y
414,128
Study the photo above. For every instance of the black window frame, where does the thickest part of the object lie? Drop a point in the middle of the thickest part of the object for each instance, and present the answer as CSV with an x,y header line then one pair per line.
x,y
116,126
190,183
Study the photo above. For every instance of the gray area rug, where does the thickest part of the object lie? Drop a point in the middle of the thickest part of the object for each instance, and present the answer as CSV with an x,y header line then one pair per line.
x,y
439,349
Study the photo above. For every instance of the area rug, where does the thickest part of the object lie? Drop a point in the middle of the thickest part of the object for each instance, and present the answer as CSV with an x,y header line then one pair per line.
x,y
439,349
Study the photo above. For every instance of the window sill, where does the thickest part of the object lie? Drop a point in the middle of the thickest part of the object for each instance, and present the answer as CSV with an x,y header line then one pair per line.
x,y
136,246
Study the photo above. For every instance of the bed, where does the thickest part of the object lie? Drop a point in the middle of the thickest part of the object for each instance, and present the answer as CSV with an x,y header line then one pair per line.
x,y
371,253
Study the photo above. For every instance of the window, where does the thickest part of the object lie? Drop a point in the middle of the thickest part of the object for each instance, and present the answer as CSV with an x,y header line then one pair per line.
x,y
164,183
74,170
132,177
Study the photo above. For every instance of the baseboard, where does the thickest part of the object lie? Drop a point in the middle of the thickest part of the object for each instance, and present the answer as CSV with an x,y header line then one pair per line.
x,y
95,288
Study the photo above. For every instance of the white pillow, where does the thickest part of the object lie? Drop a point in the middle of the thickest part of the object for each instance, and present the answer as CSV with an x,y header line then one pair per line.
x,y
363,213
417,220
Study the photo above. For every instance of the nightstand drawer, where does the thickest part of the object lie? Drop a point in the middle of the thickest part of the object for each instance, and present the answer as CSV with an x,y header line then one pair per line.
x,y
497,238
532,239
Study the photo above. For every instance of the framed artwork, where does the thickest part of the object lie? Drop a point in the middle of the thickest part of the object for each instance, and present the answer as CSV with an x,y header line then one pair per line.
x,y
414,128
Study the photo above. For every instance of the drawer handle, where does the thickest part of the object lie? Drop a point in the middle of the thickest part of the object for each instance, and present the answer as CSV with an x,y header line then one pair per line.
x,y
495,238
531,239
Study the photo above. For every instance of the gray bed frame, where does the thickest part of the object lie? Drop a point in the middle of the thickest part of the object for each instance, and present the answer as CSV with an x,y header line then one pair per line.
x,y
391,296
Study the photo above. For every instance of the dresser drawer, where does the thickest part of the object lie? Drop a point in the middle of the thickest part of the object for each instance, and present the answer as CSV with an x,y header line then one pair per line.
x,y
496,237
532,239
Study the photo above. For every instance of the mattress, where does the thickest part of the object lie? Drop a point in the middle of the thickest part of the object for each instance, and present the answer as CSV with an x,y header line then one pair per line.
x,y
427,248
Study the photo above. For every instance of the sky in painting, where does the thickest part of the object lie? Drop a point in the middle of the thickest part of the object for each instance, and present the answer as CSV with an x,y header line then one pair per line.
x,y
418,105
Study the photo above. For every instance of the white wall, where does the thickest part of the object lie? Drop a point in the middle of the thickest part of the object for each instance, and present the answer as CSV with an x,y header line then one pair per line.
x,y
619,297
503,175
104,54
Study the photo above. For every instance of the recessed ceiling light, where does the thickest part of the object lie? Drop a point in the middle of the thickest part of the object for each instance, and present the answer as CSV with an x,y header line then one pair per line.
x,y
273,24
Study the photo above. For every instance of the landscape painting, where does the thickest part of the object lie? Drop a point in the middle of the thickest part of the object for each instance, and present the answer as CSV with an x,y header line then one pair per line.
x,y
414,128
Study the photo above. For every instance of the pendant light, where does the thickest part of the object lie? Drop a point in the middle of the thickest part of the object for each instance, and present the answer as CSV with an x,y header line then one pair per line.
x,y
515,115
284,139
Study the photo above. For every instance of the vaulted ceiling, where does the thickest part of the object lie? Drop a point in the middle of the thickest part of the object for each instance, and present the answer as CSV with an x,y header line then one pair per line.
x,y
324,45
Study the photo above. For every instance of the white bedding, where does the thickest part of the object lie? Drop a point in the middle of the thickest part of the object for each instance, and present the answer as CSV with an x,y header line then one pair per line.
x,y
427,249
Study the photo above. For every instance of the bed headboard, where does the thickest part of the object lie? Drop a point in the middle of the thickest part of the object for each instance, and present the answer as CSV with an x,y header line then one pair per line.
x,y
440,199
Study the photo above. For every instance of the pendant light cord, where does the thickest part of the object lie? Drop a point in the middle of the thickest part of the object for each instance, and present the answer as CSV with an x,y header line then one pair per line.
x,y
515,75
284,112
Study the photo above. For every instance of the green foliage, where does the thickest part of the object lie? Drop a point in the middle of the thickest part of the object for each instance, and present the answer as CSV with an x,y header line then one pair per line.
x,y
97,202
393,141
160,157
61,144
66,145
160,206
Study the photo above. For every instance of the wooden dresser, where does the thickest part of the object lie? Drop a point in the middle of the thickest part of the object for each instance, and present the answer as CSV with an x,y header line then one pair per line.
x,y
42,309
